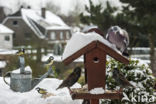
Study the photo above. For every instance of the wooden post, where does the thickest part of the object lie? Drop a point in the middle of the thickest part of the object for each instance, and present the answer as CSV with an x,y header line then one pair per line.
x,y
95,66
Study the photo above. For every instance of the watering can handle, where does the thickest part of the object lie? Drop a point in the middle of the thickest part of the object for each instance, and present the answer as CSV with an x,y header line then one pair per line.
x,y
5,76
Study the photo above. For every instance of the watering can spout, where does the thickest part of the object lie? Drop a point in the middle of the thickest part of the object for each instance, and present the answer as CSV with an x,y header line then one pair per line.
x,y
38,80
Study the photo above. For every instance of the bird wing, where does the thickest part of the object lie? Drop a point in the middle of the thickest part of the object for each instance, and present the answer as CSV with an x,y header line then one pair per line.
x,y
125,34
124,80
69,81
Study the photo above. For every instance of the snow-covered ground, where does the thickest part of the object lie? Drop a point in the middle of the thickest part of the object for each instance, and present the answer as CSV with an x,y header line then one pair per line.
x,y
7,51
58,58
62,96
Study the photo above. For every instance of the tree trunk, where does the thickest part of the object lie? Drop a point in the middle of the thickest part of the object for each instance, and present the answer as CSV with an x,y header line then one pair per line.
x,y
152,53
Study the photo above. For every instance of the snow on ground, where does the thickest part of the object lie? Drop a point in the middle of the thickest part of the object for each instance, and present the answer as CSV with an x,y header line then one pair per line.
x,y
80,40
27,68
7,51
97,91
62,96
58,58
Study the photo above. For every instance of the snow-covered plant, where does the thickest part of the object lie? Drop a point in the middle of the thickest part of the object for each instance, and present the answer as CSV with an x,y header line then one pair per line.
x,y
139,75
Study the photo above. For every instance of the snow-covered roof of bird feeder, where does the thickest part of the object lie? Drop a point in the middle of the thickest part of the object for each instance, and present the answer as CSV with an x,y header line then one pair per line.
x,y
81,43
94,48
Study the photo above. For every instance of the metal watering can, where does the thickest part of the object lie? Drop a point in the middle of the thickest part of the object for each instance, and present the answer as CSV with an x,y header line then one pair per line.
x,y
22,81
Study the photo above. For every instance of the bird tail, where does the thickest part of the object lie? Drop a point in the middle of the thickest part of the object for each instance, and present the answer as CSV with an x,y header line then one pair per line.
x,y
125,53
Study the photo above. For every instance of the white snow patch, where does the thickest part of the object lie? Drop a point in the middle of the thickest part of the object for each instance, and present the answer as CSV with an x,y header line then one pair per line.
x,y
80,40
7,51
58,58
4,29
2,64
97,91
62,96
27,68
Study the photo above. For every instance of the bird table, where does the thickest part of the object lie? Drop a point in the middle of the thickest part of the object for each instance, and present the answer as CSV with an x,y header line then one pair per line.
x,y
95,70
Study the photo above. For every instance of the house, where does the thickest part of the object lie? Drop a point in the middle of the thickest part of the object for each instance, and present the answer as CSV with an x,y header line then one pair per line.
x,y
33,26
6,39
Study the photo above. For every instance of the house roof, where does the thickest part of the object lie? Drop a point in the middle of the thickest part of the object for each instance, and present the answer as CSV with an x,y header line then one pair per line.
x,y
81,44
4,29
39,24
51,21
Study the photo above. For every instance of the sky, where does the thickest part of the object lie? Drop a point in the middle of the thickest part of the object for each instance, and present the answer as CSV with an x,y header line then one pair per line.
x,y
66,6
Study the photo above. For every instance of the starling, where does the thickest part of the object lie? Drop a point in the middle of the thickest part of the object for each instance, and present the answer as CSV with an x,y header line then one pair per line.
x,y
41,91
120,79
119,37
71,79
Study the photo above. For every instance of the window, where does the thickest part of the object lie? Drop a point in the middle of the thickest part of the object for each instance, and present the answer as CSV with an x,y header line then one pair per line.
x,y
7,38
52,35
67,35
61,35
15,22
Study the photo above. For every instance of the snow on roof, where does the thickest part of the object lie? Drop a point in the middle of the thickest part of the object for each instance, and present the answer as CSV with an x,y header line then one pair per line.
x,y
87,28
4,29
50,21
26,16
80,40
2,64
61,96
58,28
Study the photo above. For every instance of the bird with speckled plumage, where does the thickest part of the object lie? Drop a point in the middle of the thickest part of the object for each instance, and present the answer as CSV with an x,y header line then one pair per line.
x,y
71,79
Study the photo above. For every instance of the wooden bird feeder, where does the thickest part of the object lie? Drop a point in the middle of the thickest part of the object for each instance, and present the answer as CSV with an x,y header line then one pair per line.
x,y
95,70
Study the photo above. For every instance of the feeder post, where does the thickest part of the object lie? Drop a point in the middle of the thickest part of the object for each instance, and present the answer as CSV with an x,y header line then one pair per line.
x,y
95,65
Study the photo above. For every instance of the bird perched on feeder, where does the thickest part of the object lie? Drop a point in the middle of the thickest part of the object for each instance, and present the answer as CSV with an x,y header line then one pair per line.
x,y
120,79
41,91
119,37
49,64
21,53
50,61
71,79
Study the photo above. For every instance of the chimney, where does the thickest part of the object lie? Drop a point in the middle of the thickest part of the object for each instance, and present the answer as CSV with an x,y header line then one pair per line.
x,y
43,12
29,7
